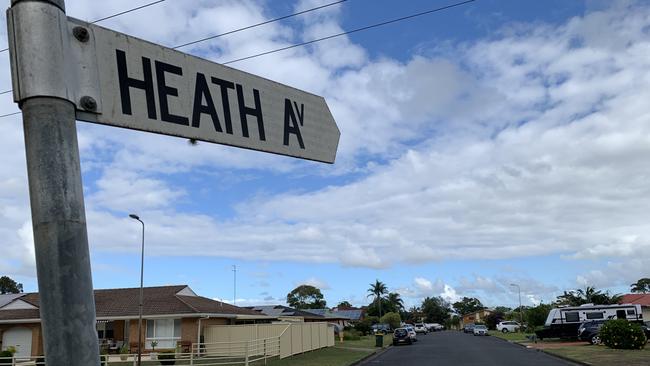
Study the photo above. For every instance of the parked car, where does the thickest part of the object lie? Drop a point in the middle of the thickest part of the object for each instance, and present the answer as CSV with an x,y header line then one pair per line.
x,y
434,327
480,330
381,329
401,335
508,326
412,334
468,328
646,329
590,331
421,328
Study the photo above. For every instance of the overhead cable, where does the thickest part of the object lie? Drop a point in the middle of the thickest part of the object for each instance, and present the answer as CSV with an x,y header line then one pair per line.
x,y
350,31
260,24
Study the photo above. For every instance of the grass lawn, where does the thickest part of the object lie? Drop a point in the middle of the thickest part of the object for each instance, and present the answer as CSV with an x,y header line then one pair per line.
x,y
602,356
365,342
510,336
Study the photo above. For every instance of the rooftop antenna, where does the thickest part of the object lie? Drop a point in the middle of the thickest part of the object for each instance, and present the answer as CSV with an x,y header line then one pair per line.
x,y
234,295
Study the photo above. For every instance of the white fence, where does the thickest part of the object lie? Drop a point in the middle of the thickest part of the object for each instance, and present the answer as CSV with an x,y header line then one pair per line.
x,y
294,338
227,345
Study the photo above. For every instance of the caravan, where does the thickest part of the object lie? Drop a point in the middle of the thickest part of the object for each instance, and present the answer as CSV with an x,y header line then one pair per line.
x,y
563,322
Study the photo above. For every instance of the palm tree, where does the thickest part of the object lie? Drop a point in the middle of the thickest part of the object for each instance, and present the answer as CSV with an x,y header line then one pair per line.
x,y
396,301
378,289
641,286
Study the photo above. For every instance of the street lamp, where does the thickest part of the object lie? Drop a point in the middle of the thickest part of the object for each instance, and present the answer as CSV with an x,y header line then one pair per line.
x,y
521,313
136,217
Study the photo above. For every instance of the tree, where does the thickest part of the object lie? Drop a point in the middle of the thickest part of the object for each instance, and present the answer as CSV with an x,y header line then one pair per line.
x,y
378,290
494,318
395,303
392,319
9,286
536,316
435,310
587,296
344,305
468,305
641,286
306,297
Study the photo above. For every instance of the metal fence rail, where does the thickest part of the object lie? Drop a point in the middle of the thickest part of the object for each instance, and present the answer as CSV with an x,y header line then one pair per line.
x,y
204,354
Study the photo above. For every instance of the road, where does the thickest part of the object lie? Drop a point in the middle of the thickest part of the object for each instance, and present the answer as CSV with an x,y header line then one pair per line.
x,y
459,349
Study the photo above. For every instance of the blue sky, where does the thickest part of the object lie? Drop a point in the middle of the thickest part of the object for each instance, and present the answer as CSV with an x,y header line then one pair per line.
x,y
498,142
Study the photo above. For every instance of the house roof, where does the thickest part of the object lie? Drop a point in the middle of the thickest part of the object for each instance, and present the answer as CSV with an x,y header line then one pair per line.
x,y
281,310
7,298
329,314
157,301
640,299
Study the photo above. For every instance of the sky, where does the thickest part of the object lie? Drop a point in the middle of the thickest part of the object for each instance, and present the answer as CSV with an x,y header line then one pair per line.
x,y
500,142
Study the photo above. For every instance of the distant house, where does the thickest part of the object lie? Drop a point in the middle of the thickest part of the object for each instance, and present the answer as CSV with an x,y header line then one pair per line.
x,y
340,317
173,315
286,313
640,299
476,317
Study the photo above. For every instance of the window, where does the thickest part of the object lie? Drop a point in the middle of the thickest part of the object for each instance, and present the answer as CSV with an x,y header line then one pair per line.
x,y
164,331
631,312
572,317
595,315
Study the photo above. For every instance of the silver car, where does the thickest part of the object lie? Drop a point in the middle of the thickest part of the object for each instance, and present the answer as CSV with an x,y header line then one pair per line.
x,y
480,330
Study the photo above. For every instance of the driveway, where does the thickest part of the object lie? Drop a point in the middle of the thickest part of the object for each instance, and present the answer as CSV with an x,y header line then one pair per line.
x,y
460,349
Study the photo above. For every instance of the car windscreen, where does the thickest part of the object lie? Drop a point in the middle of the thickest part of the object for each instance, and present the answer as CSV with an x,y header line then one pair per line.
x,y
400,332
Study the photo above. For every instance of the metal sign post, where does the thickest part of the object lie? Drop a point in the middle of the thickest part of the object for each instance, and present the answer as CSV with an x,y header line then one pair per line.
x,y
67,304
65,69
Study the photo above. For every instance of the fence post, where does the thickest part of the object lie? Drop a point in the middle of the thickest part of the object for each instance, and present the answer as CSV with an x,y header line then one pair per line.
x,y
246,359
13,360
192,355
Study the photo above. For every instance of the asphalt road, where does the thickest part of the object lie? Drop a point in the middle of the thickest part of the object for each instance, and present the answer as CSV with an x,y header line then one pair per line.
x,y
460,349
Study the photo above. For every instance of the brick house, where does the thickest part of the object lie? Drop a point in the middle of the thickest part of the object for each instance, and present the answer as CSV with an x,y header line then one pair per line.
x,y
476,317
172,316
640,299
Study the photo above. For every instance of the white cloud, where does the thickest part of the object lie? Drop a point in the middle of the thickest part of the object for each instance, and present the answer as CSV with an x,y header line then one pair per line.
x,y
313,281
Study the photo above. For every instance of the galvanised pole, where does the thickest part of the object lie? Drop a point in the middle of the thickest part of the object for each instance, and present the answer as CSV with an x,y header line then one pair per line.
x,y
67,304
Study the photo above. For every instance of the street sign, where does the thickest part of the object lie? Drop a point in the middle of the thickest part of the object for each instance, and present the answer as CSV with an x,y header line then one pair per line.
x,y
119,80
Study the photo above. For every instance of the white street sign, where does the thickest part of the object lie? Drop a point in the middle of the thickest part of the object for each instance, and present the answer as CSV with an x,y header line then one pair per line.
x,y
147,87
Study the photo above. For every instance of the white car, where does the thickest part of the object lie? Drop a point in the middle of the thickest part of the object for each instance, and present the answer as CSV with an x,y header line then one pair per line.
x,y
508,326
412,334
480,330
421,328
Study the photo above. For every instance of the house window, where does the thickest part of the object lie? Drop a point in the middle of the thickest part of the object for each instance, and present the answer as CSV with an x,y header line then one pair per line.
x,y
595,315
164,331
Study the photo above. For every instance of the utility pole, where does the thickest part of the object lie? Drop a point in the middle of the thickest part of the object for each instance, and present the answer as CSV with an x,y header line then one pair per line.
x,y
234,295
67,304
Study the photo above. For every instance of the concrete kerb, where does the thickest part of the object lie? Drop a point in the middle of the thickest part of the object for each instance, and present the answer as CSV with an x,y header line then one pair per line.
x,y
371,356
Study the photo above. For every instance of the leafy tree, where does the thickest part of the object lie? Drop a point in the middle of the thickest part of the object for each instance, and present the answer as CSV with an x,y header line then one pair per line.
x,y
378,290
344,305
435,310
364,326
9,286
536,316
587,296
641,286
392,319
306,297
502,309
453,322
493,319
468,305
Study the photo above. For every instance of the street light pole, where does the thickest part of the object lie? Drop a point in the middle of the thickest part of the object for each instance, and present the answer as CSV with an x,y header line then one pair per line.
x,y
521,313
136,217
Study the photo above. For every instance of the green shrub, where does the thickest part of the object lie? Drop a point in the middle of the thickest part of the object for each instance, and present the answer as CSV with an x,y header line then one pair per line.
x,y
167,358
352,335
5,357
621,334
392,319
363,327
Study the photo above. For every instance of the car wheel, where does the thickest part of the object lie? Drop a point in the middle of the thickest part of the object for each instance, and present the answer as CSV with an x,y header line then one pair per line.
x,y
504,330
595,340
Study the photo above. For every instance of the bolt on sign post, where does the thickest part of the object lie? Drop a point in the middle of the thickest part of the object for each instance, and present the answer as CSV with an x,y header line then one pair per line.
x,y
63,70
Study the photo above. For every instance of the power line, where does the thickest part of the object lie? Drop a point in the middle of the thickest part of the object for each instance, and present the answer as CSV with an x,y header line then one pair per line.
x,y
113,16
6,91
350,31
325,38
259,24
10,114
